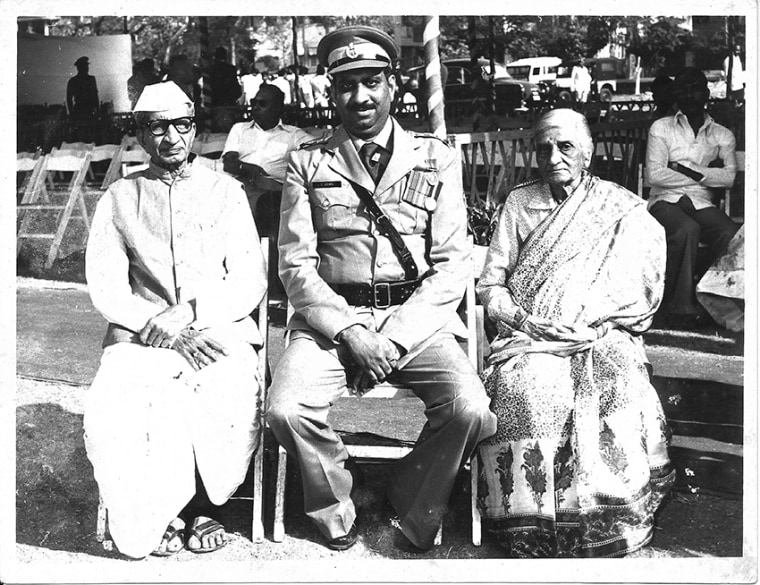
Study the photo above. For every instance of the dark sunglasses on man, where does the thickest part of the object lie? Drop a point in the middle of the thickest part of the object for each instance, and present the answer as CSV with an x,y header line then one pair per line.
x,y
160,127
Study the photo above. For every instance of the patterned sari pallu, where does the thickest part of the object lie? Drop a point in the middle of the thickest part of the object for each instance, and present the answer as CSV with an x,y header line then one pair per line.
x,y
579,462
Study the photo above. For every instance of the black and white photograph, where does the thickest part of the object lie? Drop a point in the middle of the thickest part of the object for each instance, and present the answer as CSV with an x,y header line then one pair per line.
x,y
303,295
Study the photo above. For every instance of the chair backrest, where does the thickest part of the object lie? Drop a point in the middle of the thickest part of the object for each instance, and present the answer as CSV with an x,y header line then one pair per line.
x,y
494,162
136,155
133,159
104,152
26,161
67,160
77,145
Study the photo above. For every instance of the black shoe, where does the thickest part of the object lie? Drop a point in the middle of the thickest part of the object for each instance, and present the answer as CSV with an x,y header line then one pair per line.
x,y
400,541
346,541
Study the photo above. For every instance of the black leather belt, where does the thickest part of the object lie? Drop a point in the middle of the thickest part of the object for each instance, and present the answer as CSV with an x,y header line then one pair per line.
x,y
380,295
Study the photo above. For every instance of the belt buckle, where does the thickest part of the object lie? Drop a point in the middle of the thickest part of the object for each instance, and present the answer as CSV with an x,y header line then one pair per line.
x,y
376,297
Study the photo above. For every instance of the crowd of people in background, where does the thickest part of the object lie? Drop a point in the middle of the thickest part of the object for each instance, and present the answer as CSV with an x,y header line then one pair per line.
x,y
230,84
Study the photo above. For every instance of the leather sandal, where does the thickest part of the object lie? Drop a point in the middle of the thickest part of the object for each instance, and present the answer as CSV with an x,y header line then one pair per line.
x,y
170,534
210,526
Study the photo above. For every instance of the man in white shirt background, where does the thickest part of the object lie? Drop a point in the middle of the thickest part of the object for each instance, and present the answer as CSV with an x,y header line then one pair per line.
x,y
320,87
734,71
251,81
689,155
581,82
257,154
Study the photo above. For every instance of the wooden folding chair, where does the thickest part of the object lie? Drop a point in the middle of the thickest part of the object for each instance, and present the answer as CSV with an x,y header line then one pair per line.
x,y
80,147
133,161
101,153
58,161
130,157
257,497
30,164
257,522
474,321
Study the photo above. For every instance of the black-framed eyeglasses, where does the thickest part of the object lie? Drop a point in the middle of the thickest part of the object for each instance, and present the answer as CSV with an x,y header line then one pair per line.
x,y
160,127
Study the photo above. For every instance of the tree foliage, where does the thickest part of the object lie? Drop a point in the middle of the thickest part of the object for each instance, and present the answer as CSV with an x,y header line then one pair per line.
x,y
660,42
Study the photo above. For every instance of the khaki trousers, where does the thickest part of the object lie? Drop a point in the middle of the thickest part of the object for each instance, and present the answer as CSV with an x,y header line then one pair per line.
x,y
311,375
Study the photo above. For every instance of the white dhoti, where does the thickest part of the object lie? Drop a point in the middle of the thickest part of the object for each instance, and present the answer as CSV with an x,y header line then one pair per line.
x,y
150,419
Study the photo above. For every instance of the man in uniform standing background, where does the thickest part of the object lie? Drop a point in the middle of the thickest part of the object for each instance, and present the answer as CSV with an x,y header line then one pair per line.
x,y
82,92
369,308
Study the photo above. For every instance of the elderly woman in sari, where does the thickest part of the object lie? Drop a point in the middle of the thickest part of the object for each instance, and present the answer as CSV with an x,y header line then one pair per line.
x,y
573,276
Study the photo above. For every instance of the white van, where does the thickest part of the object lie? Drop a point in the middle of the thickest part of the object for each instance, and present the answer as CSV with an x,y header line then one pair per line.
x,y
535,69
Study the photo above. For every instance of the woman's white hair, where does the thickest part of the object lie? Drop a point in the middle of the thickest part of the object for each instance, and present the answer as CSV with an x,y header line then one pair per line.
x,y
565,117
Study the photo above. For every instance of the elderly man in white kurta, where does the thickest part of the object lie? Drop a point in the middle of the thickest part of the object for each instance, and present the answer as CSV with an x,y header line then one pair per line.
x,y
174,265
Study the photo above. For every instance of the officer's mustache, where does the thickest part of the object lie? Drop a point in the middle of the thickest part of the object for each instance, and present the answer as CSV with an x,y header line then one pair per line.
x,y
361,107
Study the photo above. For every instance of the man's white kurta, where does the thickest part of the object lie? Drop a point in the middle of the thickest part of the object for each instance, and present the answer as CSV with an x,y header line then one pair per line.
x,y
158,240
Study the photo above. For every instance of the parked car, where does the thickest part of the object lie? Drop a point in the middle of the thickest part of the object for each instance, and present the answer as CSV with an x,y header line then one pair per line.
x,y
535,69
465,84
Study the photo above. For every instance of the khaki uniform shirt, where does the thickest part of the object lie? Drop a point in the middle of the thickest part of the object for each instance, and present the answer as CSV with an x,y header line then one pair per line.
x,y
326,236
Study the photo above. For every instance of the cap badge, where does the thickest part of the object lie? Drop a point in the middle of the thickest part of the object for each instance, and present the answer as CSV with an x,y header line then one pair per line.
x,y
351,51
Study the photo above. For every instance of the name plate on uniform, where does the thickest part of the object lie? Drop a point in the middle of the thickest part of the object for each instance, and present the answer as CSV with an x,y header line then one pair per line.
x,y
326,184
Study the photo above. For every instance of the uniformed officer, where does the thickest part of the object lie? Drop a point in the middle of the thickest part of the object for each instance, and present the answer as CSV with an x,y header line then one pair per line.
x,y
366,308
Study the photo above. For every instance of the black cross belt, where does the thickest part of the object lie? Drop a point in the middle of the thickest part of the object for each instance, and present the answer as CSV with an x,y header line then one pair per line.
x,y
386,227
380,295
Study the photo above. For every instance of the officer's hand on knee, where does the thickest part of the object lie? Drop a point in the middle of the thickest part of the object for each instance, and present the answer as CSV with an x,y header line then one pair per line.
x,y
373,353
361,382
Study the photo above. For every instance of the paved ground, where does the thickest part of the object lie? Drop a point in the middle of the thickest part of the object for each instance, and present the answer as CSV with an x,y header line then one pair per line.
x,y
58,348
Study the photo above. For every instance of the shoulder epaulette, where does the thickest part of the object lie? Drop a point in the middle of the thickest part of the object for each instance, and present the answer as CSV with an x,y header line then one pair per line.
x,y
315,142
429,135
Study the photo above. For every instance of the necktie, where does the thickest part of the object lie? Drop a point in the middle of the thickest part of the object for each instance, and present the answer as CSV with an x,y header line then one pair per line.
x,y
375,159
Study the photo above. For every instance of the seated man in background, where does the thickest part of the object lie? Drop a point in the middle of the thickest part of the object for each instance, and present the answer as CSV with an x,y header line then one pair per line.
x,y
689,154
257,154
173,263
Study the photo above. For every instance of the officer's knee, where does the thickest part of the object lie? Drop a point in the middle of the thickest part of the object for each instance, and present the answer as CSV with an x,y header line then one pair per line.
x,y
282,413
474,411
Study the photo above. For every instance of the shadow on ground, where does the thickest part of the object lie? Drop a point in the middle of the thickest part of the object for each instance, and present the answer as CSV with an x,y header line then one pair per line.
x,y
57,502
56,494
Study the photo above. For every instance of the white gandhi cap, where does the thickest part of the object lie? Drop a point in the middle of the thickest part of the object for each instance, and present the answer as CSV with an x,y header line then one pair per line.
x,y
163,97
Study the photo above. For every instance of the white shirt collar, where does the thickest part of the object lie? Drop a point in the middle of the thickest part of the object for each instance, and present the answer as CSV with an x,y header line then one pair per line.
x,y
681,117
382,138
277,126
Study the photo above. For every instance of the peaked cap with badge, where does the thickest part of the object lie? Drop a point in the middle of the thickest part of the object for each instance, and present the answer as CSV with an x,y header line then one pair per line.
x,y
357,47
